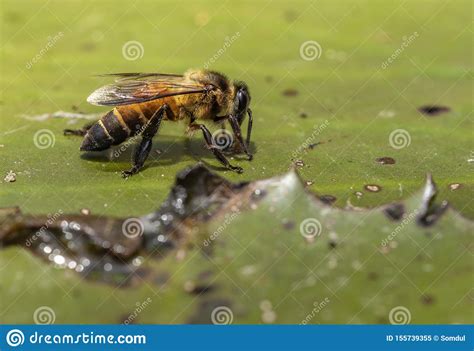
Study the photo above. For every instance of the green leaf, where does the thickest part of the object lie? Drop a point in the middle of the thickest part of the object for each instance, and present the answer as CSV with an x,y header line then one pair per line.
x,y
267,251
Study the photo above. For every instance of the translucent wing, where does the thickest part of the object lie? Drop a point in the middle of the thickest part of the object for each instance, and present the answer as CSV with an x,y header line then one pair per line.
x,y
133,88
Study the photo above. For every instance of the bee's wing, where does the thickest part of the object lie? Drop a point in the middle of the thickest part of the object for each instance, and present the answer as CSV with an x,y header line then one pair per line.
x,y
133,88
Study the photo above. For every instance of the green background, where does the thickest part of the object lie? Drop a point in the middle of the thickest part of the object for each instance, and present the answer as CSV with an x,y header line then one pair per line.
x,y
346,85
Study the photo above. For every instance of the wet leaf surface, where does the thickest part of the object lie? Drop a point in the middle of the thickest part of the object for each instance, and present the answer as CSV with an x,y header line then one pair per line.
x,y
215,243
346,106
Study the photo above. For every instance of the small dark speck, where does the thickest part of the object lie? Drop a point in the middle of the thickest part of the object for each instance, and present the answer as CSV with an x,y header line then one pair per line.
x,y
202,289
287,224
433,110
126,318
313,145
394,211
303,114
373,276
290,92
328,199
88,47
268,79
290,15
427,299
385,160
205,275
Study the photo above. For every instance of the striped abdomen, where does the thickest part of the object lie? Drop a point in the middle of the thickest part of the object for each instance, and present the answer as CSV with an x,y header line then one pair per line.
x,y
121,123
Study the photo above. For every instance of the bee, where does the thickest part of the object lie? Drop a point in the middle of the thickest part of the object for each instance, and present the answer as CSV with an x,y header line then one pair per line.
x,y
142,101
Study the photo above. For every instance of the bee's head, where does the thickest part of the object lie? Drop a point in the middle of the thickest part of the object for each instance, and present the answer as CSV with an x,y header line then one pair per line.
x,y
241,101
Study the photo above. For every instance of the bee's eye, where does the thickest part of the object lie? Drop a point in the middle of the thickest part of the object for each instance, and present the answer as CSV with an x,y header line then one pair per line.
x,y
242,101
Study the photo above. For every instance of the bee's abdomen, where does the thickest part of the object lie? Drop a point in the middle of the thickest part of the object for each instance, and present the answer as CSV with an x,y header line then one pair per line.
x,y
110,130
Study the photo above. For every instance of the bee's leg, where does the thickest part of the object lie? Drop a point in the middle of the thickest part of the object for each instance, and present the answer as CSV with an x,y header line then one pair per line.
x,y
143,149
79,132
217,153
249,128
238,134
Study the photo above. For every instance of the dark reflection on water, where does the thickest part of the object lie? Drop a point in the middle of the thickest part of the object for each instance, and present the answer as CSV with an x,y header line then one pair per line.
x,y
111,250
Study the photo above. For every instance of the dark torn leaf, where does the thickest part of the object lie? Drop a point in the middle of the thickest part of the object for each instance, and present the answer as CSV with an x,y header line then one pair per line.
x,y
214,243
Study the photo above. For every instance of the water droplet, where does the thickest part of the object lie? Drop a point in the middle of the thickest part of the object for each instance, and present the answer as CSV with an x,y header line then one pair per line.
x,y
85,211
58,259
373,188
265,305
269,317
298,163
454,186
